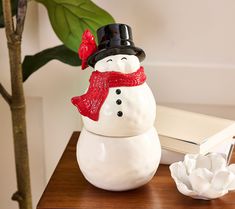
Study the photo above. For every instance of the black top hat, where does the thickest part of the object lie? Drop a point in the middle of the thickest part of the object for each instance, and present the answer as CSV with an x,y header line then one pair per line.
x,y
115,39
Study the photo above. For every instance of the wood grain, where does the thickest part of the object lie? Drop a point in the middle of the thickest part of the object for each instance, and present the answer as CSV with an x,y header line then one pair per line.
x,y
67,188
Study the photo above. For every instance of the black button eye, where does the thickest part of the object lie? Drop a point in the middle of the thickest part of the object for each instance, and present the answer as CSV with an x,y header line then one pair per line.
x,y
118,91
119,114
119,101
124,58
109,60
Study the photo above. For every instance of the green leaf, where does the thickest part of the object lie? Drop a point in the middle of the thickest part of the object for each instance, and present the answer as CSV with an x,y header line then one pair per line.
x,y
61,53
69,19
14,5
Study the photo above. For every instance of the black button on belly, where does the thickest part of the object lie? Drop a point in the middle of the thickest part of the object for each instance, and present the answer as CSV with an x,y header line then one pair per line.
x,y
119,101
119,113
118,91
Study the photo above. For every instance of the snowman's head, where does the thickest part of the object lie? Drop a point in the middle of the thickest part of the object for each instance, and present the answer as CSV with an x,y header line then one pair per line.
x,y
120,63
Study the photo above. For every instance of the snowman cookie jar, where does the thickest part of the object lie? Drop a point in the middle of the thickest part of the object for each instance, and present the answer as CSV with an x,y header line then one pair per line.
x,y
118,148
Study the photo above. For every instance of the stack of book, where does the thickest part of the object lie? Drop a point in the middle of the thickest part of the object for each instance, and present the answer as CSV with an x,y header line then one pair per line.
x,y
182,132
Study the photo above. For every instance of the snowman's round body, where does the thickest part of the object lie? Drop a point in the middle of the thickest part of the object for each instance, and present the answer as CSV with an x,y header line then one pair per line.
x,y
118,163
121,150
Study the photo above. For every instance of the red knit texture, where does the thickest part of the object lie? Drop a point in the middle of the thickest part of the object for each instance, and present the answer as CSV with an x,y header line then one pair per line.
x,y
90,103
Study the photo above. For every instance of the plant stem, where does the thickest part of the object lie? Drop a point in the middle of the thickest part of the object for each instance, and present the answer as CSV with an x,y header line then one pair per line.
x,y
20,17
17,105
19,129
5,94
8,21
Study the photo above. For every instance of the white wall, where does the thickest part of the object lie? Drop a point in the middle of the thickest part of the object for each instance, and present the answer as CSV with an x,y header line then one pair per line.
x,y
56,84
190,47
182,31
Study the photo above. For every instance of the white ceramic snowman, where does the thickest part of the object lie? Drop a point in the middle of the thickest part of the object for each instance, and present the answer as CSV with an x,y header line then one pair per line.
x,y
118,148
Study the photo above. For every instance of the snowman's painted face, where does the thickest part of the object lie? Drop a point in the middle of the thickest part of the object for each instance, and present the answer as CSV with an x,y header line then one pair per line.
x,y
121,62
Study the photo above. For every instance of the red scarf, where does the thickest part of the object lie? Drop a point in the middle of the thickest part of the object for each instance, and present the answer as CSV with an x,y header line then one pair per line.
x,y
90,103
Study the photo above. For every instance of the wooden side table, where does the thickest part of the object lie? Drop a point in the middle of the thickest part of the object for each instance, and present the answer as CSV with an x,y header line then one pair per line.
x,y
67,188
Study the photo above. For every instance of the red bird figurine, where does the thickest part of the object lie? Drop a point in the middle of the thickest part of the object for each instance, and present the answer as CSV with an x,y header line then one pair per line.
x,y
87,47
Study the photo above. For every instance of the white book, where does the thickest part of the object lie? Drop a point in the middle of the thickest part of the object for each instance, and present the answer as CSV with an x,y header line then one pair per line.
x,y
168,157
187,132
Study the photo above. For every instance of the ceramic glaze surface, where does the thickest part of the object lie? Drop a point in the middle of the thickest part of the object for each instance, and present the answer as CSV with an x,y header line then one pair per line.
x,y
138,112
118,148
118,163
121,63
127,111
204,177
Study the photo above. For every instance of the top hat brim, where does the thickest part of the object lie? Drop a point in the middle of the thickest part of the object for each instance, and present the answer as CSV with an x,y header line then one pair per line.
x,y
130,50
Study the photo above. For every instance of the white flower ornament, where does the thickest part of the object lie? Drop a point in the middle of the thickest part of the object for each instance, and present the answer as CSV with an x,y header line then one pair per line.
x,y
203,177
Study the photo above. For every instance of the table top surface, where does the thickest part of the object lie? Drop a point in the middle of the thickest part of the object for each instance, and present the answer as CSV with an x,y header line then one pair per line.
x,y
68,188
